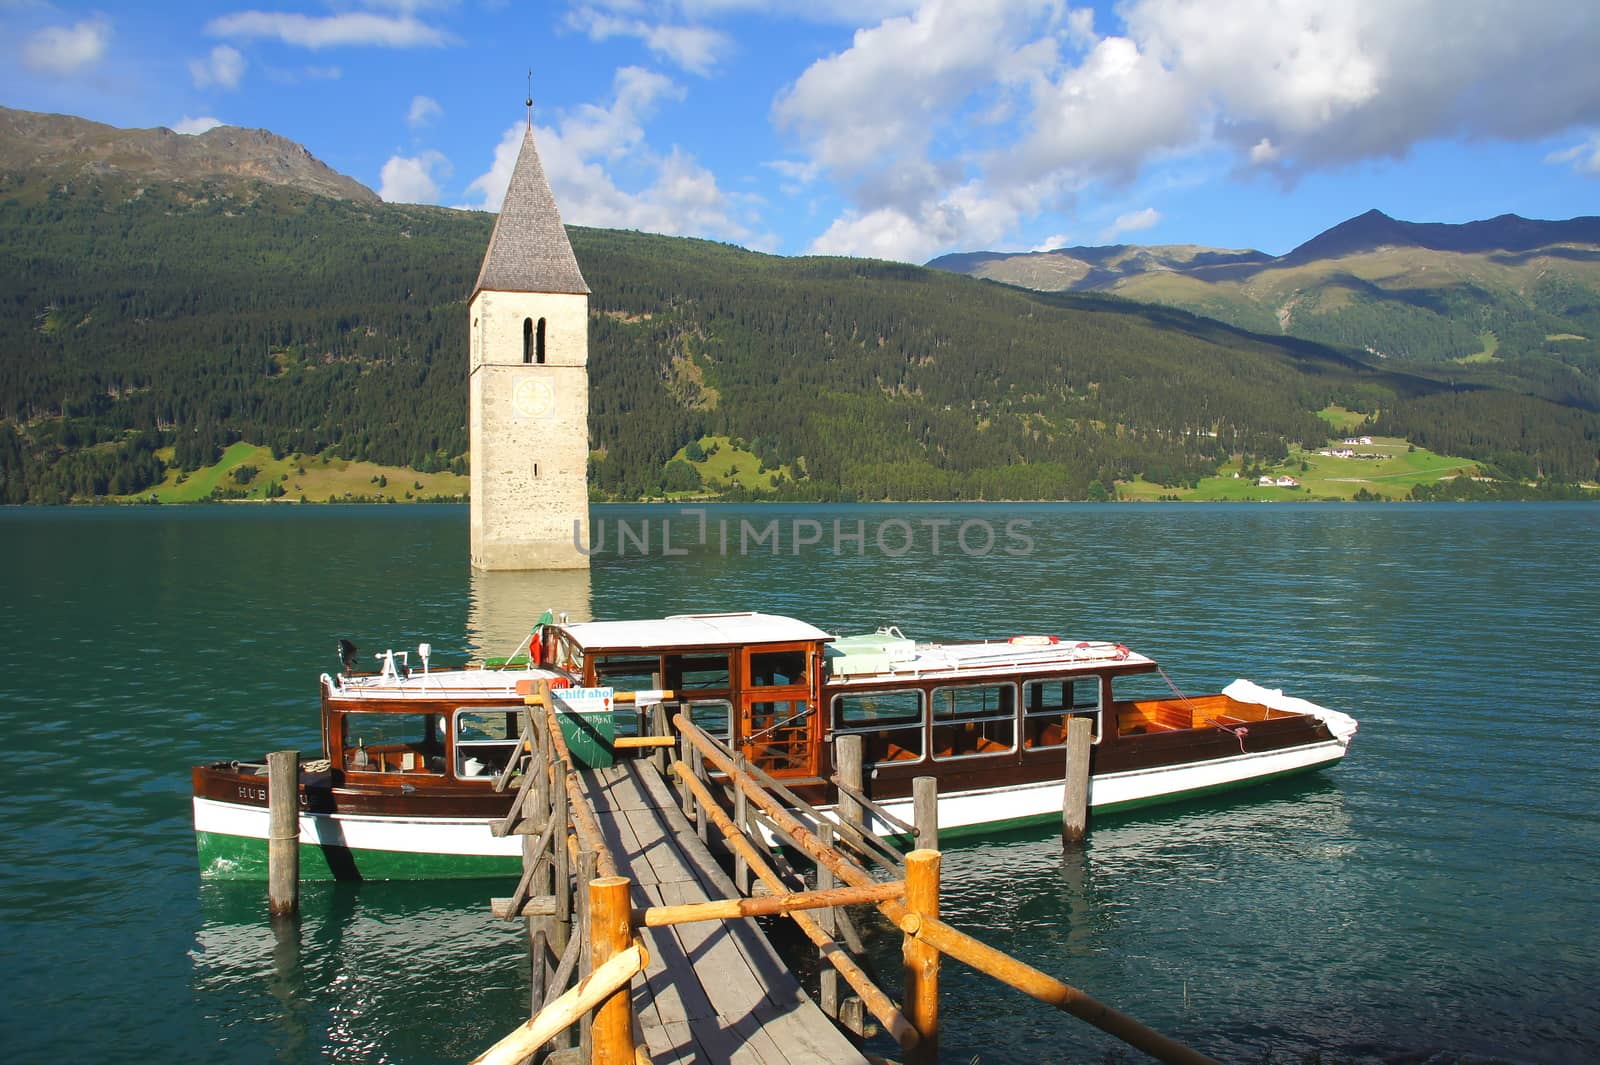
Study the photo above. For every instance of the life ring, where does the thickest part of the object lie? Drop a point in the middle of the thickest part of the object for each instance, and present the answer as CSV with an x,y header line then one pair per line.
x,y
1034,641
1122,653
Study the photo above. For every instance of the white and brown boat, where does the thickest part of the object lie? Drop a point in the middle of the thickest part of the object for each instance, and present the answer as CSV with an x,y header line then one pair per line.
x,y
405,789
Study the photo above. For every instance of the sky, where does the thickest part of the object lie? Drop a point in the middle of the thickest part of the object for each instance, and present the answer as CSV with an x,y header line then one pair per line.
x,y
899,129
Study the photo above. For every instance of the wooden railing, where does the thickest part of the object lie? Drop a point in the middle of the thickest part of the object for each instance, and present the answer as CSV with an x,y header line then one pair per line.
x,y
719,789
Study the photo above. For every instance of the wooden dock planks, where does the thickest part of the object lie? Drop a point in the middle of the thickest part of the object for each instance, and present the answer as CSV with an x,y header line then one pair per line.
x,y
714,990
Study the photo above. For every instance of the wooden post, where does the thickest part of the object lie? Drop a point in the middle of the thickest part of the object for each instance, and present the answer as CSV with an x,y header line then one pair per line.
x,y
561,929
922,960
847,751
686,752
828,978
698,765
283,833
925,804
588,863
536,815
610,933
741,817
659,726
1075,793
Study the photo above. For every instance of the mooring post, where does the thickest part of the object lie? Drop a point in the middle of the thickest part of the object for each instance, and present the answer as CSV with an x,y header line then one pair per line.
x,y
925,812
1075,794
921,959
848,751
283,833
611,933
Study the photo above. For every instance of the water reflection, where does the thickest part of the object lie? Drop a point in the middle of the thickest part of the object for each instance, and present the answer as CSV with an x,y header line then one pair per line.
x,y
367,972
504,607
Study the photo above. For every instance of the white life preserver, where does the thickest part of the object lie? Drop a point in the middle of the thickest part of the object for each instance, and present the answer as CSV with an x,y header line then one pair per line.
x,y
1034,641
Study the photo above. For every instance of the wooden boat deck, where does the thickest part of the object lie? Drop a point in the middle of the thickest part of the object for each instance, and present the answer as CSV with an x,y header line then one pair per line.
x,y
714,990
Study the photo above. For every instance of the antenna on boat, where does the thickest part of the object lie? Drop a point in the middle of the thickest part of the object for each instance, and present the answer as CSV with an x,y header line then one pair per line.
x,y
347,655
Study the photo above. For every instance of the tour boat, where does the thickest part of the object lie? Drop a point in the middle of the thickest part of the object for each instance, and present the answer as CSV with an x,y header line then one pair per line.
x,y
405,787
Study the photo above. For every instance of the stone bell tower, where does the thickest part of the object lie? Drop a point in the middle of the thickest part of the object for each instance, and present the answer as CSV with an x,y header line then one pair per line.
x,y
528,385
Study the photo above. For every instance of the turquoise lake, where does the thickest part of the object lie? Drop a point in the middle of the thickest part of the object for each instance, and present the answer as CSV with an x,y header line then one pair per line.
x,y
1435,893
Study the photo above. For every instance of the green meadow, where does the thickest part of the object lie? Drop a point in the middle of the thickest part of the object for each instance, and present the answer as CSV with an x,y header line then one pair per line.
x,y
248,471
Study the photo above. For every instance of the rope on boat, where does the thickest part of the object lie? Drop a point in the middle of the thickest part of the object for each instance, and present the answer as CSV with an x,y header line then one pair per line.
x,y
1173,686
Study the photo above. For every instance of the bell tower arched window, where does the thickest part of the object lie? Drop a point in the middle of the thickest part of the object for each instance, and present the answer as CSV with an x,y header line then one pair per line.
x,y
527,340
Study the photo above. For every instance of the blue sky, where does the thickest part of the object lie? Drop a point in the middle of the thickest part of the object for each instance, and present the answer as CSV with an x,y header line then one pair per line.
x,y
896,128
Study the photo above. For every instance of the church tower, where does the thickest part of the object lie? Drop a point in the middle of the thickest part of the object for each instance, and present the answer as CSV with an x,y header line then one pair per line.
x,y
528,385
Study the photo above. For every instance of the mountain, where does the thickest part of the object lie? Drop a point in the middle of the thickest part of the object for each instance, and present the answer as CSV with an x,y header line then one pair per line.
x,y
1375,231
150,323
1518,296
70,147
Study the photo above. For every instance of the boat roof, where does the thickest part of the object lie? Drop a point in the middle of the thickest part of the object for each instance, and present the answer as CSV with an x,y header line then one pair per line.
x,y
693,630
882,655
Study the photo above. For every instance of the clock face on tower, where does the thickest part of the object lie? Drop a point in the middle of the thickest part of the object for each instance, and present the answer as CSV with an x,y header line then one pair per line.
x,y
533,399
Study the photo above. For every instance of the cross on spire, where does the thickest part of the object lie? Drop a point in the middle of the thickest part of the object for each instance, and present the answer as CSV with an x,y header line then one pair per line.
x,y
529,101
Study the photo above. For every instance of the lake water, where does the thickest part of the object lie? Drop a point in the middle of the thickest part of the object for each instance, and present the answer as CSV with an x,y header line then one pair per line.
x,y
1437,892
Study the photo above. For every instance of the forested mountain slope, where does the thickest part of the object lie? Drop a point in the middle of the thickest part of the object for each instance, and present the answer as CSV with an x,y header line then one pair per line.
x,y
143,315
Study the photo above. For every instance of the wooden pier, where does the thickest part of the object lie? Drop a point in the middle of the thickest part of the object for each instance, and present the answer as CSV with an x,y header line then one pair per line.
x,y
643,946
713,990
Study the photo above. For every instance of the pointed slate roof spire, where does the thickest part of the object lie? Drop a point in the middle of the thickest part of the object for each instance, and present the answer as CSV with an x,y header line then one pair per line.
x,y
529,250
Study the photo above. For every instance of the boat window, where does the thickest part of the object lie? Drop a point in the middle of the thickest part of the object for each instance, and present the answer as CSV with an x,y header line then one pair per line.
x,y
715,716
890,723
974,719
1047,705
393,743
772,669
486,740
627,674
683,672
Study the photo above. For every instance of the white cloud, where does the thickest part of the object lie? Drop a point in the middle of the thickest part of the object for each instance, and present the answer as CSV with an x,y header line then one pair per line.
x,y
1330,83
424,110
190,125
1264,151
224,67
941,122
413,179
330,31
694,48
66,50
1584,157
847,12
870,113
674,194
1130,222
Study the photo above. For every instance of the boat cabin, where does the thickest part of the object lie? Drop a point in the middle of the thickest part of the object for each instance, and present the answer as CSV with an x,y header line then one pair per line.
x,y
749,678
